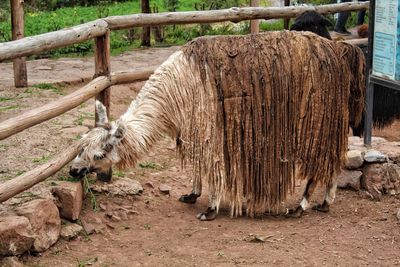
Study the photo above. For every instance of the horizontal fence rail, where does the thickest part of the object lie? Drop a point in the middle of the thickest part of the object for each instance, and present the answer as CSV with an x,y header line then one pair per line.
x,y
19,184
44,42
25,181
35,116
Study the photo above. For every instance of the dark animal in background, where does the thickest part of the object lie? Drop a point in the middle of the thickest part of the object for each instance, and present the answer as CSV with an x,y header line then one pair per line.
x,y
362,31
313,22
386,104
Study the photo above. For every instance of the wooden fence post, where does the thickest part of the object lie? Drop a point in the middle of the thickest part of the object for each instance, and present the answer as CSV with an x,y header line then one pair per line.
x,y
286,21
17,25
146,32
102,66
255,23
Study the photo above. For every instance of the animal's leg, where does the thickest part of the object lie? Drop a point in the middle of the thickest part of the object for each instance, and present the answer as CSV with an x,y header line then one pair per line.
x,y
196,192
330,194
304,204
211,212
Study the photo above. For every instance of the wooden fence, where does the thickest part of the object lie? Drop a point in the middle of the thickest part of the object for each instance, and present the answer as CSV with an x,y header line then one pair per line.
x,y
99,30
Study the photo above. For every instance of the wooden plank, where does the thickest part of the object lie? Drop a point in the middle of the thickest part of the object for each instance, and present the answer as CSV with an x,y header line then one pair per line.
x,y
68,102
103,67
17,25
255,23
48,41
53,109
44,42
25,181
233,14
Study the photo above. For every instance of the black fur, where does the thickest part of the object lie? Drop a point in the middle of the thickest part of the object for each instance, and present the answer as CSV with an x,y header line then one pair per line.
x,y
386,105
313,22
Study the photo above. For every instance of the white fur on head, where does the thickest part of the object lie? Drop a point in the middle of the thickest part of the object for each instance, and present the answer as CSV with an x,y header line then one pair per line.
x,y
101,114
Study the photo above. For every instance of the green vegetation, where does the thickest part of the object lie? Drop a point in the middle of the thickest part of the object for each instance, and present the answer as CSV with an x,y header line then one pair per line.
x,y
43,159
37,22
149,165
4,99
118,173
48,86
9,107
86,186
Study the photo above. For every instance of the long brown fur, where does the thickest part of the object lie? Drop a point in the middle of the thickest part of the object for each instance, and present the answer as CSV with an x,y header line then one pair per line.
x,y
250,113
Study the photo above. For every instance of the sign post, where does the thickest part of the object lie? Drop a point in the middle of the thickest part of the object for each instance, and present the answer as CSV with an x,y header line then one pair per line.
x,y
384,53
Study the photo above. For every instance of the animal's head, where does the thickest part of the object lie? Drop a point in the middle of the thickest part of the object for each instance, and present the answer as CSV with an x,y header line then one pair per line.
x,y
98,148
313,22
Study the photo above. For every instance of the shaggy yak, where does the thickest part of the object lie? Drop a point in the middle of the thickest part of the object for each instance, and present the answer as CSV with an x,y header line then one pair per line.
x,y
385,101
249,113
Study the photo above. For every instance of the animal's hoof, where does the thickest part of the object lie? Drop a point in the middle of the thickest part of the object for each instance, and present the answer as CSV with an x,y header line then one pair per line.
x,y
189,198
295,213
209,215
324,207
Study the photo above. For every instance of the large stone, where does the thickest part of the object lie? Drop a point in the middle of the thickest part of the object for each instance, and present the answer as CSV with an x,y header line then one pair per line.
x,y
354,159
45,220
16,235
11,262
121,187
391,149
381,179
69,197
349,180
70,230
373,156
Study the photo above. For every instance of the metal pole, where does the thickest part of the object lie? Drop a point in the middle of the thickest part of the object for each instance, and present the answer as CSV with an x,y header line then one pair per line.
x,y
369,100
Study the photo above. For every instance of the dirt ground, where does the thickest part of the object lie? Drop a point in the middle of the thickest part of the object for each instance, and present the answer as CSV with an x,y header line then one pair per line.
x,y
165,232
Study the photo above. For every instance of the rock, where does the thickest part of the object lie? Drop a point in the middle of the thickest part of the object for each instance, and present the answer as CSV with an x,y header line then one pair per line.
x,y
16,236
88,227
115,218
349,179
354,159
102,207
11,262
372,179
45,220
373,156
164,188
70,230
119,187
381,178
69,197
123,215
391,149
38,191
355,141
392,183
149,184
398,214
375,140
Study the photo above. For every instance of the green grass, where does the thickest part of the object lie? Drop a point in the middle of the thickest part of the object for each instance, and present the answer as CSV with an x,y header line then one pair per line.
x,y
149,165
48,86
4,99
9,107
118,173
43,159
